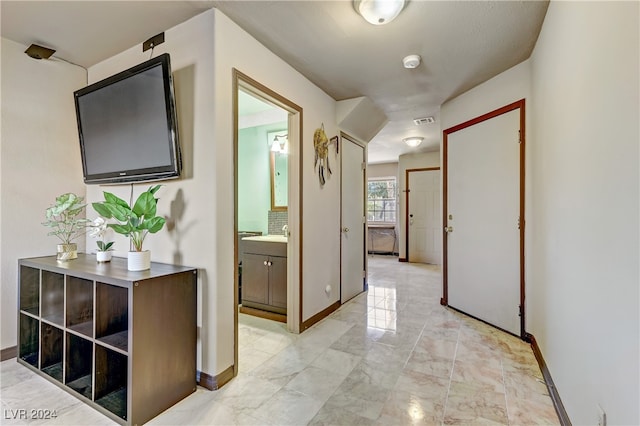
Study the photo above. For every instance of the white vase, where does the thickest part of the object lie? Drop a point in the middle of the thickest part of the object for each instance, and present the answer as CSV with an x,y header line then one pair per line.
x,y
139,260
103,256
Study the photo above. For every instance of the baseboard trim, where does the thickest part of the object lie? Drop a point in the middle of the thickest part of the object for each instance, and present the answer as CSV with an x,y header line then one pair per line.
x,y
553,391
320,315
214,382
8,353
273,316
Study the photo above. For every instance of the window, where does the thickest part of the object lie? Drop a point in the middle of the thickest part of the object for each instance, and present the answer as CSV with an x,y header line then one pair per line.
x,y
381,200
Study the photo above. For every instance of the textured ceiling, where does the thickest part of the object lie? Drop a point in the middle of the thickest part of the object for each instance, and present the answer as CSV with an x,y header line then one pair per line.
x,y
461,43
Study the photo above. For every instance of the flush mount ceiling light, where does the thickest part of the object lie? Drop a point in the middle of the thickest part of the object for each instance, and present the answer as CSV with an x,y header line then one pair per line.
x,y
411,61
379,12
413,141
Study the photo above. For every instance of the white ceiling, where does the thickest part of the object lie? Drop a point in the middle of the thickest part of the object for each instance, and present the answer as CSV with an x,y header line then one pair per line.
x,y
462,44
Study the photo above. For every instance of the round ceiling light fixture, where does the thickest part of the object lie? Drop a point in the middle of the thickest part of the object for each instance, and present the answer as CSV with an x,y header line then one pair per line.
x,y
379,12
411,61
413,141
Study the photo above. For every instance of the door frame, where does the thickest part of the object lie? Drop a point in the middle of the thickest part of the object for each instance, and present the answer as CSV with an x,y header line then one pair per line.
x,y
406,213
520,104
295,197
365,265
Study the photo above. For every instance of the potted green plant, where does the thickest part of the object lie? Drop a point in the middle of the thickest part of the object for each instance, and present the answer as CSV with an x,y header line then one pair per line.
x,y
134,222
99,230
64,219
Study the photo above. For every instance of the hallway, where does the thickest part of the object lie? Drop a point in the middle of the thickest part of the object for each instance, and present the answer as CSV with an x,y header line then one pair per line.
x,y
393,356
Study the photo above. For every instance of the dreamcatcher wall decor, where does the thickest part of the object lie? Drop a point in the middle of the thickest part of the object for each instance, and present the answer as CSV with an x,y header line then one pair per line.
x,y
321,148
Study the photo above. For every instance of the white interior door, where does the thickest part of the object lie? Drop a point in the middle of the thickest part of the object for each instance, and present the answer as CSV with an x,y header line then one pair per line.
x,y
424,224
352,251
483,205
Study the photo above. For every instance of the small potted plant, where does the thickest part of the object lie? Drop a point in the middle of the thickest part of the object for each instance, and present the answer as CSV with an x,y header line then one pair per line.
x,y
64,219
134,222
99,230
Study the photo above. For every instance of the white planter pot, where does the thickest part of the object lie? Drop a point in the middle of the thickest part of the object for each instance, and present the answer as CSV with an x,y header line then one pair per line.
x,y
103,256
139,260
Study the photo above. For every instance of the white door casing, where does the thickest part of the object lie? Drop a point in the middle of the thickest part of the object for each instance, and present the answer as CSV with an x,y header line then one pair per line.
x,y
483,216
352,246
424,231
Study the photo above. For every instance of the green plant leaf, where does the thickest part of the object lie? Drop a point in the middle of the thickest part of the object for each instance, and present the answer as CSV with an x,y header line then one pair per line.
x,y
154,189
145,205
110,198
102,210
121,229
118,212
154,224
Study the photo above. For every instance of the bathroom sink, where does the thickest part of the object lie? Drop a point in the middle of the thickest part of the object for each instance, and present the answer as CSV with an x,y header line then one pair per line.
x,y
267,238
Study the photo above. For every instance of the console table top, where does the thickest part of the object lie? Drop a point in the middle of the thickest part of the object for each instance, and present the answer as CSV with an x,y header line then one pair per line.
x,y
87,265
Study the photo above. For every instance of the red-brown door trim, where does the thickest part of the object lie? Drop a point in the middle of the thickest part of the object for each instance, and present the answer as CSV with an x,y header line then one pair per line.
x,y
445,135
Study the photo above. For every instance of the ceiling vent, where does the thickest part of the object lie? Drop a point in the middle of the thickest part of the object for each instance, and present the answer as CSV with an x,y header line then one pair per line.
x,y
424,120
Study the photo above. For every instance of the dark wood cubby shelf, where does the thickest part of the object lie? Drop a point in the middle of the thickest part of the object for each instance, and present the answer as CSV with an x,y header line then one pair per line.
x,y
104,333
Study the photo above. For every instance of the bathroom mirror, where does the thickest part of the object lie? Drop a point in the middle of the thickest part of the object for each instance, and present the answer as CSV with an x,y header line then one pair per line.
x,y
279,147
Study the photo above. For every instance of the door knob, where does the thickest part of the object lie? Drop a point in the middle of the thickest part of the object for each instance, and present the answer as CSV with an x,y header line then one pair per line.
x,y
448,229
345,229
265,263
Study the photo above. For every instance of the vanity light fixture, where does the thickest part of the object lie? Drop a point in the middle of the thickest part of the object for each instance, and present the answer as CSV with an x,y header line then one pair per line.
x,y
280,144
413,141
379,12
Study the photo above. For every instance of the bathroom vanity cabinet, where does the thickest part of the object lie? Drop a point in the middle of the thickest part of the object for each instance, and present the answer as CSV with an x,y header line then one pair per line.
x,y
264,274
123,342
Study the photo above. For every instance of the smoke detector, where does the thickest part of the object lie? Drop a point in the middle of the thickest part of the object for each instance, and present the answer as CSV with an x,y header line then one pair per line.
x,y
411,61
424,120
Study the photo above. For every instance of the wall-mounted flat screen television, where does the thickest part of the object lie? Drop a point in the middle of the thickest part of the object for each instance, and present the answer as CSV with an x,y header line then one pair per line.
x,y
127,125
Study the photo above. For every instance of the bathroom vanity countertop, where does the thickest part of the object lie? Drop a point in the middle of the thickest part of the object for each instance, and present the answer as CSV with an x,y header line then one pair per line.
x,y
267,238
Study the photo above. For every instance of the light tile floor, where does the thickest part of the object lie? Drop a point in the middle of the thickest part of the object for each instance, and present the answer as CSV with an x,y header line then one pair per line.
x,y
392,356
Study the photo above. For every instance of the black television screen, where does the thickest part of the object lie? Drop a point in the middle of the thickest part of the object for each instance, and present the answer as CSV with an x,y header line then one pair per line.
x,y
127,125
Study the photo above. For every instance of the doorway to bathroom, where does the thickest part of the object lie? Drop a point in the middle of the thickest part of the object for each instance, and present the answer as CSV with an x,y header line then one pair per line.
x,y
267,205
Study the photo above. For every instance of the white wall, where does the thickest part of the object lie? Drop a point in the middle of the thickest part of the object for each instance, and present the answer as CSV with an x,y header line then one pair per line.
x,y
196,196
504,89
202,60
581,254
584,295
321,205
405,162
40,159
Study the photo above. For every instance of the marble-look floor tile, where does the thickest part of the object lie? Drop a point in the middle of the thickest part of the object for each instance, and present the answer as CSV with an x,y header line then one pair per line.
x,y
472,404
407,408
338,362
333,416
362,398
288,407
246,392
214,413
390,356
250,358
484,376
423,385
423,362
316,383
